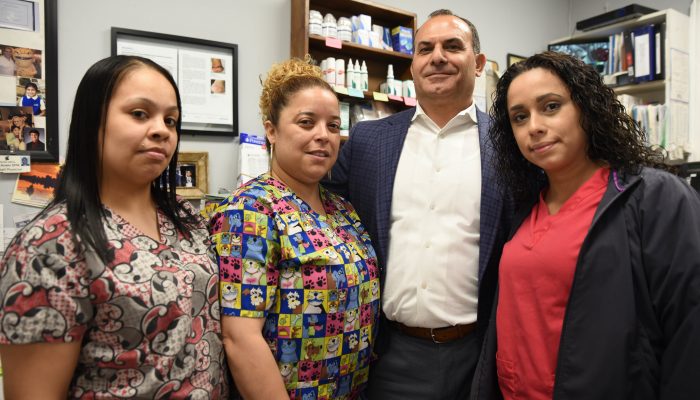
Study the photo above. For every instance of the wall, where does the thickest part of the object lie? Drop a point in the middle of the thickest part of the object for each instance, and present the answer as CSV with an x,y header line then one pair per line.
x,y
262,34
519,27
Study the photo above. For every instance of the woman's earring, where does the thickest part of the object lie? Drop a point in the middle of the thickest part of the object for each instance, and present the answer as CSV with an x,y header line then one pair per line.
x,y
330,176
272,153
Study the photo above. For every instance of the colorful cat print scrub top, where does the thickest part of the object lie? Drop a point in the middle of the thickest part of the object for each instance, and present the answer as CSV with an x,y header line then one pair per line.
x,y
313,278
148,320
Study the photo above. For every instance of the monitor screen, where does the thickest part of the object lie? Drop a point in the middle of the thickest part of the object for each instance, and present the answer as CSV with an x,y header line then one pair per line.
x,y
591,53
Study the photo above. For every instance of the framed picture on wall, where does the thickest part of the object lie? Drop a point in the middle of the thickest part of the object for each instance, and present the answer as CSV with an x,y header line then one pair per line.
x,y
206,73
512,59
28,79
191,175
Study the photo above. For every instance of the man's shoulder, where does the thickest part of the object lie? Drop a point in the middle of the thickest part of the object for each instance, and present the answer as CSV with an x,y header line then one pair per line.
x,y
403,117
375,125
482,118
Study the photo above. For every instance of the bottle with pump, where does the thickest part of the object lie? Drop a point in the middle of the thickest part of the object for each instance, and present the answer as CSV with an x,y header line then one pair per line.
x,y
364,77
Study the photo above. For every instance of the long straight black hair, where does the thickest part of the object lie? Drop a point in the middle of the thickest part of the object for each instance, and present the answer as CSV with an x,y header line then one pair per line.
x,y
79,181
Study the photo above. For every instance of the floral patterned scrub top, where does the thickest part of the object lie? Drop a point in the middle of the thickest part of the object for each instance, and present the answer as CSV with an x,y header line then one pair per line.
x,y
313,278
148,320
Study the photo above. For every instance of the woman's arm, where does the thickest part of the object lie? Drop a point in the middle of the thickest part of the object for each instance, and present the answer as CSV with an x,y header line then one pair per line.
x,y
38,370
251,362
671,258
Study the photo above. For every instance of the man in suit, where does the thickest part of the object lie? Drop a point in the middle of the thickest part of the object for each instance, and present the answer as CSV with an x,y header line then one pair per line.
x,y
422,183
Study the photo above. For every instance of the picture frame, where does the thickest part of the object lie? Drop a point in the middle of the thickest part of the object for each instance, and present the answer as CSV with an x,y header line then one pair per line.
x,y
194,164
28,65
513,58
206,72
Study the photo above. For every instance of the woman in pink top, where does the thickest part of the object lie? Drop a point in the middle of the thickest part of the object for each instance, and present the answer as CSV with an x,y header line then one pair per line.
x,y
599,285
110,292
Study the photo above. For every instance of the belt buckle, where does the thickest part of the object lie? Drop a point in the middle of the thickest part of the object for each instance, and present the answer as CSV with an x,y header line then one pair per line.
x,y
432,336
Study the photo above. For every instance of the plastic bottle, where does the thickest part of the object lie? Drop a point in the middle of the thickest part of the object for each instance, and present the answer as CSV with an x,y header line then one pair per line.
x,y
357,79
330,64
344,29
330,26
315,22
349,74
339,72
324,69
390,79
364,76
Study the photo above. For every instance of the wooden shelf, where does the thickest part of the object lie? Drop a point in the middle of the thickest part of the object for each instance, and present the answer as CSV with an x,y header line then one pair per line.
x,y
378,11
368,95
377,60
653,18
355,50
640,88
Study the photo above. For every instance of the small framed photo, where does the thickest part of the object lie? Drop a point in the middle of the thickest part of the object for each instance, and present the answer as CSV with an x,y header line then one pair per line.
x,y
191,175
512,59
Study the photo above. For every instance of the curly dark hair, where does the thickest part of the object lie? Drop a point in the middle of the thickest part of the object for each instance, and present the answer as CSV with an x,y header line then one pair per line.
x,y
613,136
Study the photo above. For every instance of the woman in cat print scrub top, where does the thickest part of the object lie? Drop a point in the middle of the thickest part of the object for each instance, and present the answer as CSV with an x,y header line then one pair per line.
x,y
298,275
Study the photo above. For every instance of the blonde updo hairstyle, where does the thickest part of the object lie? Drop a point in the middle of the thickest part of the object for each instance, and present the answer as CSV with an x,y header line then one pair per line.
x,y
283,81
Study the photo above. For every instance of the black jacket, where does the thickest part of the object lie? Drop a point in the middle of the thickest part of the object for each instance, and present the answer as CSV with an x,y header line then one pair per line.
x,y
632,324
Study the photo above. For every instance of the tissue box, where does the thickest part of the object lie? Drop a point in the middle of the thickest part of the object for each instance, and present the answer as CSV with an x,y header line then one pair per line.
x,y
364,22
361,37
402,39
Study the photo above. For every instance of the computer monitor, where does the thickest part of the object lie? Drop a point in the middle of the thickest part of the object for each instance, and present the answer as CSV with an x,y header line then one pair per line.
x,y
592,53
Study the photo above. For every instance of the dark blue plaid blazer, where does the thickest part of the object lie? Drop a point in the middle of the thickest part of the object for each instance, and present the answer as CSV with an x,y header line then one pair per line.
x,y
364,174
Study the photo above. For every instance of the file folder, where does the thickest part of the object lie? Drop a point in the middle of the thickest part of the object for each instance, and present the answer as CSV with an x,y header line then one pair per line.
x,y
644,53
660,46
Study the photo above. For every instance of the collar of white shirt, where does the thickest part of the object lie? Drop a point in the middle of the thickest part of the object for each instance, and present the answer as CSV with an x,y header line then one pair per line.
x,y
466,115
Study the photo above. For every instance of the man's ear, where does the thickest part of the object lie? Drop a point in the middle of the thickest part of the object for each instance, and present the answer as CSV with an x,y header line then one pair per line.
x,y
480,63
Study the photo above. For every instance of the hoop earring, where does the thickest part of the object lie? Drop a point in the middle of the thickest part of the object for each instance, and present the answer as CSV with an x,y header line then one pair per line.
x,y
272,153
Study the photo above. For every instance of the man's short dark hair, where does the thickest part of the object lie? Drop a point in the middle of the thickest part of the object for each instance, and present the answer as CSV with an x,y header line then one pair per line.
x,y
35,131
476,45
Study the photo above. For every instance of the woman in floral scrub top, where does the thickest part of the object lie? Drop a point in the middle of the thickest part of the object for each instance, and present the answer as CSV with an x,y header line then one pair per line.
x,y
298,274
110,292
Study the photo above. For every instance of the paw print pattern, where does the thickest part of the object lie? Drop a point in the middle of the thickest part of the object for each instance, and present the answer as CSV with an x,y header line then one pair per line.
x,y
314,277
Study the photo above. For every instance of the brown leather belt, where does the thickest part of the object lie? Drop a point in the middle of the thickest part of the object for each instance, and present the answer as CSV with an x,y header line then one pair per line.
x,y
437,335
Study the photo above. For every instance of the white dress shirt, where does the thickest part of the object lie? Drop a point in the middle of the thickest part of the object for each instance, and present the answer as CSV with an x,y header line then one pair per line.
x,y
433,261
